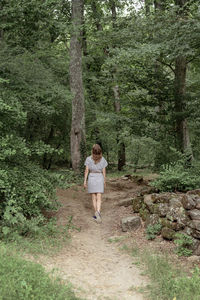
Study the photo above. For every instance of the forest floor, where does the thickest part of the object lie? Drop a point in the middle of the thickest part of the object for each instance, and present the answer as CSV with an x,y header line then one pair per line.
x,y
96,265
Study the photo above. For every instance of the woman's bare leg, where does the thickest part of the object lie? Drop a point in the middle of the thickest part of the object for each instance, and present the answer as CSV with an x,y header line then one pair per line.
x,y
94,201
99,202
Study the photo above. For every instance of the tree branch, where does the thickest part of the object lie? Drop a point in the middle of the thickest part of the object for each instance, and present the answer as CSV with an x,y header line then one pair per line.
x,y
168,65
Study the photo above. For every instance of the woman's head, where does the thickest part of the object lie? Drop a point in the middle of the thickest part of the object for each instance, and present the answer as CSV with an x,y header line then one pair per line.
x,y
96,152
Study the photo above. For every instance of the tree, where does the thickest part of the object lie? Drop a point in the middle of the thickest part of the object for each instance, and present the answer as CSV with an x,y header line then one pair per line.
x,y
76,85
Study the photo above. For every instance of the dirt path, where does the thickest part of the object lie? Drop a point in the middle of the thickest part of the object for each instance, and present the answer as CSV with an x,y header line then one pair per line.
x,y
97,268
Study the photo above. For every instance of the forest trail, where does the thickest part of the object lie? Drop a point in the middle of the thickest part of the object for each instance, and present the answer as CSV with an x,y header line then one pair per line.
x,y
98,269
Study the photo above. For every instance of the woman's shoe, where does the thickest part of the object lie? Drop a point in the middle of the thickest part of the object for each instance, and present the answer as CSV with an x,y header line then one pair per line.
x,y
98,217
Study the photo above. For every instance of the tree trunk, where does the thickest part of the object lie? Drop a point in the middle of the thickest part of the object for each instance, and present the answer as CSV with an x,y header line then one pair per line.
x,y
182,132
159,4
97,15
147,7
76,86
120,144
117,105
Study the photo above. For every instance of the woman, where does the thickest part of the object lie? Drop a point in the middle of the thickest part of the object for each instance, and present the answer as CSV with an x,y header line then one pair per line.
x,y
96,165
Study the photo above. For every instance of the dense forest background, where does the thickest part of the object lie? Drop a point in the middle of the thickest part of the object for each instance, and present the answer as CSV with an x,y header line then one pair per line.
x,y
124,74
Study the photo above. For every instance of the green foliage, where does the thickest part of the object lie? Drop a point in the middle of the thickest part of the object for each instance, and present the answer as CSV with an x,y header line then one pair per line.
x,y
152,231
178,177
183,242
25,280
46,239
169,282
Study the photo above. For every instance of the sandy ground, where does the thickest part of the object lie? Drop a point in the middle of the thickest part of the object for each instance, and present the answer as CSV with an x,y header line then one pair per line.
x,y
96,267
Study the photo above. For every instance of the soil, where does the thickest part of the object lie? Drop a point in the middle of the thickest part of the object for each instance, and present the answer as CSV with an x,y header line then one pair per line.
x,y
93,262
96,265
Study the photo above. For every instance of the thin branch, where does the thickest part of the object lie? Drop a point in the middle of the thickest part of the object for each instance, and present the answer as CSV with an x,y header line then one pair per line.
x,y
190,60
168,65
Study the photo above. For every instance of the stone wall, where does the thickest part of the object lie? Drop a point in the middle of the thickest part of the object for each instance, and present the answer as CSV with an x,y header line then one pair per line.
x,y
176,212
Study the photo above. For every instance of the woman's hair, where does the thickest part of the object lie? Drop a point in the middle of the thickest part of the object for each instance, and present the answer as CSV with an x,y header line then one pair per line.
x,y
96,153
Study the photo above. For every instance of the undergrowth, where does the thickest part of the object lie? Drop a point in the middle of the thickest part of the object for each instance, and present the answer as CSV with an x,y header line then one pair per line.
x,y
178,177
47,239
23,280
168,281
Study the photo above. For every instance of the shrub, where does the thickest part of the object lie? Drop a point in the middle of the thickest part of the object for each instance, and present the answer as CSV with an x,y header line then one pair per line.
x,y
183,242
178,177
152,231
25,189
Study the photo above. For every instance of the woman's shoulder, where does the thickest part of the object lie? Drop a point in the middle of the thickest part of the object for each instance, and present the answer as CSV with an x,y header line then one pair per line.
x,y
88,160
104,161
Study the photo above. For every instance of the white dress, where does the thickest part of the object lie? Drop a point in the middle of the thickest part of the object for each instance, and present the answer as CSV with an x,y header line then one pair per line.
x,y
95,178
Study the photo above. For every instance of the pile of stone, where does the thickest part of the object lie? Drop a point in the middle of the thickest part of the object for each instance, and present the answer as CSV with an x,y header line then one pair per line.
x,y
176,212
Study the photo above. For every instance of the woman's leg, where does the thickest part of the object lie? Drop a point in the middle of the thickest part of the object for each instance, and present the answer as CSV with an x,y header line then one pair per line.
x,y
94,201
99,202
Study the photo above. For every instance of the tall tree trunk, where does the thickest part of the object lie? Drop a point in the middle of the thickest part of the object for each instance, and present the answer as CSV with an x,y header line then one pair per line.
x,y
147,7
182,132
117,104
120,144
97,15
76,86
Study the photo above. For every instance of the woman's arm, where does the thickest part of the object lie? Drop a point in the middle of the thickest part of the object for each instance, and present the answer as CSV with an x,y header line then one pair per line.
x,y
104,175
85,176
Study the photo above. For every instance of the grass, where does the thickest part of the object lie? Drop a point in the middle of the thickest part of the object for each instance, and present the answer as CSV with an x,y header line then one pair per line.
x,y
48,240
168,281
20,279
114,173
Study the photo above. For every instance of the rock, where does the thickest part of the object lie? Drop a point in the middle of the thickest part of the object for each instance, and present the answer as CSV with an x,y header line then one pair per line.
x,y
198,203
194,214
194,224
138,179
197,249
187,230
167,233
156,208
152,220
164,197
124,178
147,190
172,225
196,234
194,259
188,202
166,223
177,214
175,203
125,202
130,223
149,203
137,204
163,209
194,192
144,213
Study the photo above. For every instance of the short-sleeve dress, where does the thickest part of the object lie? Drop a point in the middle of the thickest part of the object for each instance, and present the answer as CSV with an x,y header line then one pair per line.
x,y
95,178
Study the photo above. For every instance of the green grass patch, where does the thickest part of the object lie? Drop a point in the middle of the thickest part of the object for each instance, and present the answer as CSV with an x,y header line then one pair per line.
x,y
168,281
47,239
20,279
67,177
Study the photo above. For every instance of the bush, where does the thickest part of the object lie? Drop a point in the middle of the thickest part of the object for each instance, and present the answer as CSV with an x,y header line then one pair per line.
x,y
183,242
26,190
178,177
152,231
